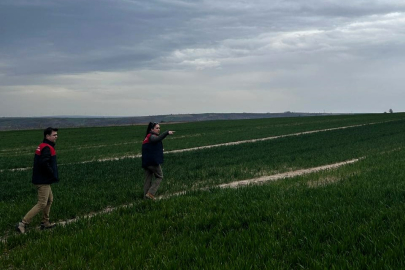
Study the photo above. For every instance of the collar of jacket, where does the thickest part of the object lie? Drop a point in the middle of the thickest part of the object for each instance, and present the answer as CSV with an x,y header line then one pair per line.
x,y
49,142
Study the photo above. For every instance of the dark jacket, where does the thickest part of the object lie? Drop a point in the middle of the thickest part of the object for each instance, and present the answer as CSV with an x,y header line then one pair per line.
x,y
45,169
152,149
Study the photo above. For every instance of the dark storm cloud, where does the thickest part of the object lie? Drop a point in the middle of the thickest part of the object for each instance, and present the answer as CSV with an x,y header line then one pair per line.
x,y
199,56
75,36
43,37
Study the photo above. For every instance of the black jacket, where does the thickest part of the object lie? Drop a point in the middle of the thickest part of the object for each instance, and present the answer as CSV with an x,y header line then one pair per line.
x,y
152,149
45,169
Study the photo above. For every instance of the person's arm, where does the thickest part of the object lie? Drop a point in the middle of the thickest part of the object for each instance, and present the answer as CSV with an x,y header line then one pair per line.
x,y
154,138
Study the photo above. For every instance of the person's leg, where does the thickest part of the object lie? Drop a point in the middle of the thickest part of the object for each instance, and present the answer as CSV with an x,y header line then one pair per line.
x,y
148,181
158,173
45,217
43,196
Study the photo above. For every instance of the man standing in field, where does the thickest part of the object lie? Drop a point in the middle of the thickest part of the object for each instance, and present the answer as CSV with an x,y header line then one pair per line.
x,y
45,172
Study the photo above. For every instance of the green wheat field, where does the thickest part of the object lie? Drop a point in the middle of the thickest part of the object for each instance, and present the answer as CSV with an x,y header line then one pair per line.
x,y
347,217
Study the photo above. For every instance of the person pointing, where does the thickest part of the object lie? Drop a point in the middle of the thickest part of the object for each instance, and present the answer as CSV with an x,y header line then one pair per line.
x,y
152,158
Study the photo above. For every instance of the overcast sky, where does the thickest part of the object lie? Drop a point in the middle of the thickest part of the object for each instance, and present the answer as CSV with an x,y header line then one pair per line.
x,y
150,57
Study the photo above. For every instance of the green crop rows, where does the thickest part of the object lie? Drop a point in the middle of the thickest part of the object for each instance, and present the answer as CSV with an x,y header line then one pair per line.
x,y
346,218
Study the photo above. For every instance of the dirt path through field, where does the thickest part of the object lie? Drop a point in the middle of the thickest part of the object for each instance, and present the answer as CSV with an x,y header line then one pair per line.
x,y
254,181
243,141
236,184
274,177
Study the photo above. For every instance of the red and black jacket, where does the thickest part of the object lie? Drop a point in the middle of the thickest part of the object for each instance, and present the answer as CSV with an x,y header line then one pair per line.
x,y
45,169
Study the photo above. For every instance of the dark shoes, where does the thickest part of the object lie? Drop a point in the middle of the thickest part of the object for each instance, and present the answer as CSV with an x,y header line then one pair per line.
x,y
47,225
149,196
20,227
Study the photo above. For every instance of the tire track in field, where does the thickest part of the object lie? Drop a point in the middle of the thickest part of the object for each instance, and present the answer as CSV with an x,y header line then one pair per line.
x,y
274,177
236,184
244,141
211,146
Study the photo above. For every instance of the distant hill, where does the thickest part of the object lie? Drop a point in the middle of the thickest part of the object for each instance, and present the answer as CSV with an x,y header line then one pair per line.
x,y
22,123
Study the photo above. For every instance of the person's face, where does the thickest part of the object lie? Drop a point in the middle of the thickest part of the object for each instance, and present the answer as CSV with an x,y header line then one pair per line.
x,y
156,129
52,137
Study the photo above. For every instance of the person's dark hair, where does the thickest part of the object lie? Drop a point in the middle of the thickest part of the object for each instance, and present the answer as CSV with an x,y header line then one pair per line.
x,y
48,131
150,127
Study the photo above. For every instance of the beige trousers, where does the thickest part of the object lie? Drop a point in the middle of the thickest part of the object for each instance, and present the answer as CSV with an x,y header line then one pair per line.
x,y
45,199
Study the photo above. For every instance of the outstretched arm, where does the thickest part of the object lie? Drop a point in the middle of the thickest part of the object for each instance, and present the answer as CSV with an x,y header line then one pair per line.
x,y
155,138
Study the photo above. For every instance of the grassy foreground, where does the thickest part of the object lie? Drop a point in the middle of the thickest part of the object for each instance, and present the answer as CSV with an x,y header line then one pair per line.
x,y
349,218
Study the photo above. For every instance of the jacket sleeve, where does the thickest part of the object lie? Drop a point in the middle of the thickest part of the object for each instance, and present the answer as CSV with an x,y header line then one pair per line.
x,y
155,139
45,161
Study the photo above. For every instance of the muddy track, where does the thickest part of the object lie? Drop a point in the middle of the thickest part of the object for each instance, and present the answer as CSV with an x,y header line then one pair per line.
x,y
274,177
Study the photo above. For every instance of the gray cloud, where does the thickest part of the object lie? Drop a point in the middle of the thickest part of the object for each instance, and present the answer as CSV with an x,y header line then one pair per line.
x,y
171,56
